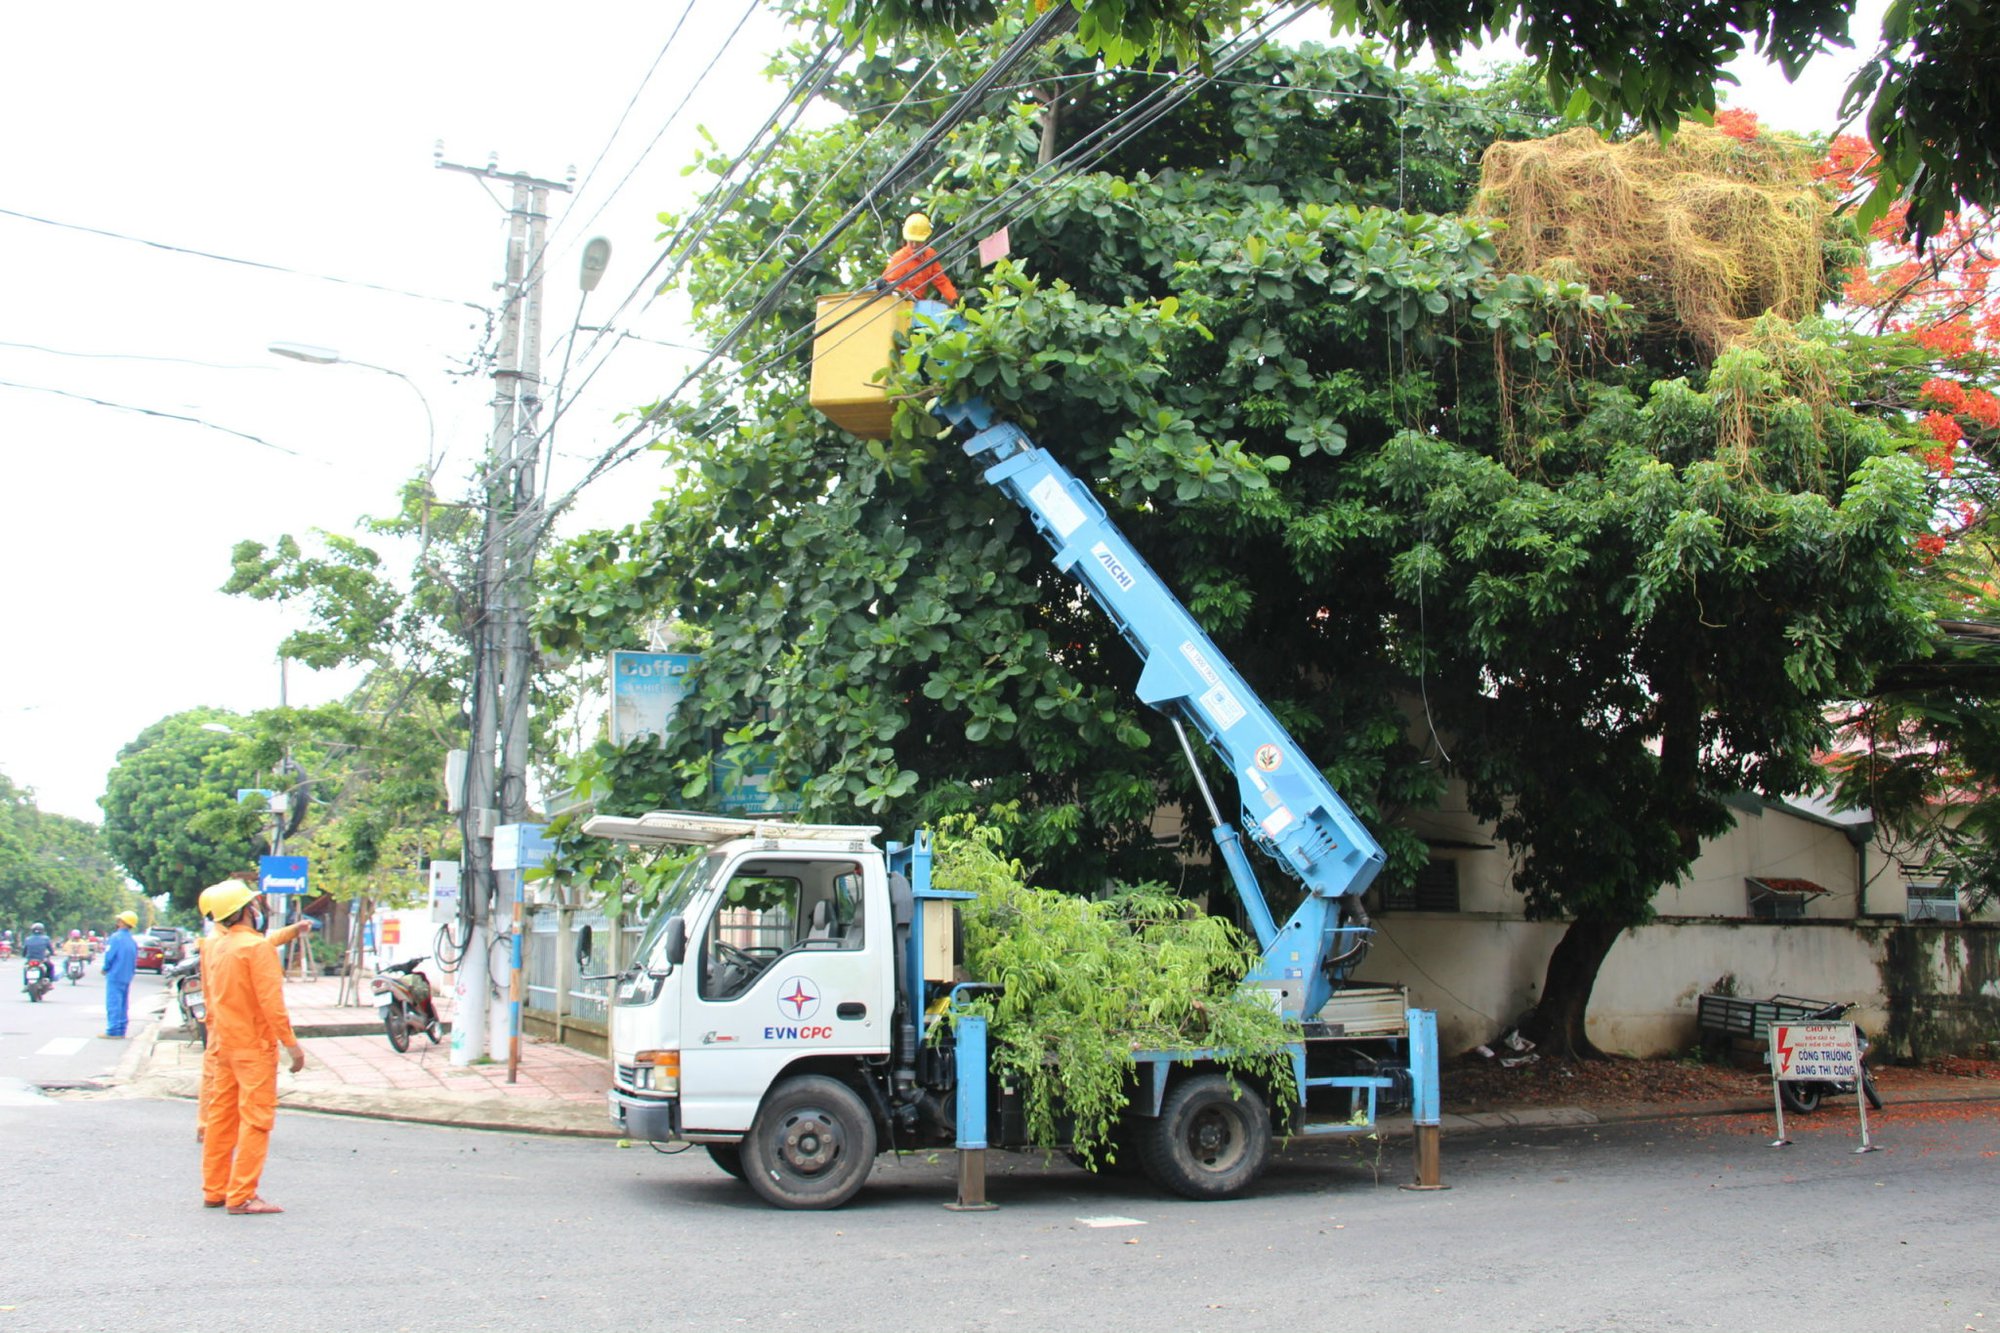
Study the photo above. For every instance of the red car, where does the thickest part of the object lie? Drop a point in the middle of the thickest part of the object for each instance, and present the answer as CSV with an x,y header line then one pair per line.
x,y
151,957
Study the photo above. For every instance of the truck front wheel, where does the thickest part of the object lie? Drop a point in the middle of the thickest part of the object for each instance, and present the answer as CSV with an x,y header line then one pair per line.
x,y
727,1156
1212,1138
811,1146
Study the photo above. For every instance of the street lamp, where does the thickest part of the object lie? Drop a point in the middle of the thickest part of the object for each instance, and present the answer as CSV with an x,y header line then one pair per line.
x,y
326,356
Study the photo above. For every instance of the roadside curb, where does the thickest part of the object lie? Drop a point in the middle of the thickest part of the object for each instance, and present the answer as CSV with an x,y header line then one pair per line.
x,y
1548,1117
568,1120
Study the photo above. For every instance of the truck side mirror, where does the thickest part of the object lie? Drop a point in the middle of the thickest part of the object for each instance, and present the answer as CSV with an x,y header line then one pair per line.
x,y
583,950
677,940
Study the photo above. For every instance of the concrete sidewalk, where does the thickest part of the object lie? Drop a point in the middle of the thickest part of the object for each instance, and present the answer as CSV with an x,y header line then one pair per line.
x,y
352,1070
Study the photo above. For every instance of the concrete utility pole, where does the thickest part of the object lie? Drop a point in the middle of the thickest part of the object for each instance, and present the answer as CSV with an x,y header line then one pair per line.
x,y
503,660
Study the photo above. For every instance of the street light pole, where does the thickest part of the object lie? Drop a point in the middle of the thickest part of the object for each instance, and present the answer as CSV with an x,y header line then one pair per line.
x,y
326,356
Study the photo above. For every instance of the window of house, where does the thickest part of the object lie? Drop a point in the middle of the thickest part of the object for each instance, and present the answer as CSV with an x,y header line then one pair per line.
x,y
1434,890
1931,902
1781,899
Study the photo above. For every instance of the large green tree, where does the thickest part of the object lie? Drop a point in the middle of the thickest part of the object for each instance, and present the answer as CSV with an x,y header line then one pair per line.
x,y
1615,582
1929,94
54,869
399,601
171,814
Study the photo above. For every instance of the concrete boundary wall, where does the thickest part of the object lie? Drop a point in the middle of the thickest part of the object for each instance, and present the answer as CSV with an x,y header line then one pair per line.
x,y
1921,990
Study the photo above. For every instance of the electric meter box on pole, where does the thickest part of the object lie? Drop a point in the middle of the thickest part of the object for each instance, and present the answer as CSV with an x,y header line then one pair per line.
x,y
444,892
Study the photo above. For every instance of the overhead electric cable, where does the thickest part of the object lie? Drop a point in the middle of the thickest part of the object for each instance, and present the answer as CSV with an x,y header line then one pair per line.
x,y
723,194
827,180
536,261
151,412
1092,148
674,115
1043,30
617,128
721,197
232,259
130,356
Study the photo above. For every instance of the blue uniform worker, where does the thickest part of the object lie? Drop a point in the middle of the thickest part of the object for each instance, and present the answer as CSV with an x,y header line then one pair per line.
x,y
121,957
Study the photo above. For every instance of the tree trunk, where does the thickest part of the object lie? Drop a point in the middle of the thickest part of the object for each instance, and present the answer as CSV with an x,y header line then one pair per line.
x,y
1556,1026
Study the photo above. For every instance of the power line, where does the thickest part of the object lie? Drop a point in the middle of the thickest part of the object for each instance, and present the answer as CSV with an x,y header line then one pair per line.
x,y
127,356
723,195
535,262
232,259
1049,26
1176,88
618,127
151,412
1091,149
674,115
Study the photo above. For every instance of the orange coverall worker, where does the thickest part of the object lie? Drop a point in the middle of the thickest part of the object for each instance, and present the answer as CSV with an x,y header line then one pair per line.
x,y
915,272
283,935
245,989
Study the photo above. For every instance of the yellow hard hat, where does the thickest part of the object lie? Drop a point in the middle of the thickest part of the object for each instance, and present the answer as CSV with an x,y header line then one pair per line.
x,y
221,901
917,227
130,918
201,903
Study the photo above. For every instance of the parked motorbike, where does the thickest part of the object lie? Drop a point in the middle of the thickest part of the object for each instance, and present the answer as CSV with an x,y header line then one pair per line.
x,y
184,984
73,969
1804,1097
38,979
403,1002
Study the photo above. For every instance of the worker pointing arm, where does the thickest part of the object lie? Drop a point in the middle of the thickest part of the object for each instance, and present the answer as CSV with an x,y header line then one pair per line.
x,y
226,892
245,986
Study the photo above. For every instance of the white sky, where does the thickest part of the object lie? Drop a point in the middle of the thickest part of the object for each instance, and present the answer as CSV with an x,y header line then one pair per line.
x,y
302,137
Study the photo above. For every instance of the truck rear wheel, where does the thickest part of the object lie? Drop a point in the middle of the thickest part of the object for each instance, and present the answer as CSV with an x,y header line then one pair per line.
x,y
1211,1140
811,1146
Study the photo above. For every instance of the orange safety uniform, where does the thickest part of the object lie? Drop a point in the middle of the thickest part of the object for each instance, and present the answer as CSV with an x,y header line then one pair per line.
x,y
245,989
914,271
283,935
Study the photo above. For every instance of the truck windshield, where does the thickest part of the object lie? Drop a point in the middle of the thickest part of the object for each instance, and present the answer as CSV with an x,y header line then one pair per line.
x,y
651,953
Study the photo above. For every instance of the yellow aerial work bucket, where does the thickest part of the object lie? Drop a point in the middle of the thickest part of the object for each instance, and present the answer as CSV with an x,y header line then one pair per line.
x,y
854,339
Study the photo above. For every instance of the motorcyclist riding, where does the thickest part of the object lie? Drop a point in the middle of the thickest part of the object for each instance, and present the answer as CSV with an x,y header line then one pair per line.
x,y
38,947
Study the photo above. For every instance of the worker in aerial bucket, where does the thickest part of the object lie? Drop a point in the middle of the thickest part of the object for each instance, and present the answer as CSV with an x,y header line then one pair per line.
x,y
914,270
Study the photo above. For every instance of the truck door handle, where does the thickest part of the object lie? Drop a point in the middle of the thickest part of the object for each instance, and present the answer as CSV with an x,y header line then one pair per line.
x,y
851,1009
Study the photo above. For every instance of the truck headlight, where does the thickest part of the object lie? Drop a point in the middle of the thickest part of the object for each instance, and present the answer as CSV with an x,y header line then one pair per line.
x,y
666,1067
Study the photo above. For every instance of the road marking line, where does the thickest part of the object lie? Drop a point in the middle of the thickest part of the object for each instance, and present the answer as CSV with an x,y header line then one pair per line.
x,y
64,1046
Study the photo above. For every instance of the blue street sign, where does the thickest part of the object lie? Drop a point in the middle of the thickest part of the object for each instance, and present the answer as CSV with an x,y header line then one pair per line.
x,y
281,874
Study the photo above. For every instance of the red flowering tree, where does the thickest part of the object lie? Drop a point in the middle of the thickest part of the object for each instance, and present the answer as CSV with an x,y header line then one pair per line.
x,y
1923,753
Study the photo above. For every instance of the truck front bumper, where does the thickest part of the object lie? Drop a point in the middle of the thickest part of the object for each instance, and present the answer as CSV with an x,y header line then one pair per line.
x,y
647,1118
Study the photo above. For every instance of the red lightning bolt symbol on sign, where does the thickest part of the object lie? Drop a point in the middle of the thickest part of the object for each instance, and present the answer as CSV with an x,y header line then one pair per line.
x,y
1784,1049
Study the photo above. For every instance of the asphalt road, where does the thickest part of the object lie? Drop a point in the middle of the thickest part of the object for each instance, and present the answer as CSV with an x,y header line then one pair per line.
x,y
56,1040
1694,1224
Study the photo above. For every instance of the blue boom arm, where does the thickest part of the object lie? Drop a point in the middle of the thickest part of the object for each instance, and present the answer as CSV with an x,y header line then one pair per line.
x,y
1287,805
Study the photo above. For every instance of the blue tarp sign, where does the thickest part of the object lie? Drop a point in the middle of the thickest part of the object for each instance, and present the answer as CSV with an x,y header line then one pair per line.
x,y
281,874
